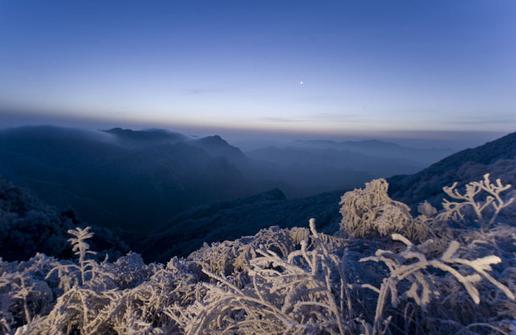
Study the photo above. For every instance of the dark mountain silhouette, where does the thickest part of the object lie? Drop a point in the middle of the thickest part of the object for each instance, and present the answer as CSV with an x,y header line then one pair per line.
x,y
118,185
121,177
497,157
216,146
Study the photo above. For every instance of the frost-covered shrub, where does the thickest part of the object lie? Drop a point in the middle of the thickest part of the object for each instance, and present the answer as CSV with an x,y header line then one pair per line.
x,y
413,266
300,292
233,256
370,211
284,281
483,199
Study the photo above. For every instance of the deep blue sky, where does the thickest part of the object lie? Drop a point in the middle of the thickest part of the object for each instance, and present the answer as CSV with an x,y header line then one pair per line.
x,y
322,66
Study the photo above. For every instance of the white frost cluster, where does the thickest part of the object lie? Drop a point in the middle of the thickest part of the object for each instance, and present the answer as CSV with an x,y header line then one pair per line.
x,y
483,198
370,211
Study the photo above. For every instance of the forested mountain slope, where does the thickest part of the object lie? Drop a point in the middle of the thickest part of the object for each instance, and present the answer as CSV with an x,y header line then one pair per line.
x,y
232,219
497,157
27,226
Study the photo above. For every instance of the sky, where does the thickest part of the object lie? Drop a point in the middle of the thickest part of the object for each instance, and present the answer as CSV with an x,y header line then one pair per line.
x,y
327,67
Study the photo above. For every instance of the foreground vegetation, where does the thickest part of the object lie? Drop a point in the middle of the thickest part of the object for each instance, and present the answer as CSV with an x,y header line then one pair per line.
x,y
385,272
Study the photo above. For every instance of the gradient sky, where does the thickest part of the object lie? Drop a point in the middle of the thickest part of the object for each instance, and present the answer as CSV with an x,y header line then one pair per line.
x,y
324,66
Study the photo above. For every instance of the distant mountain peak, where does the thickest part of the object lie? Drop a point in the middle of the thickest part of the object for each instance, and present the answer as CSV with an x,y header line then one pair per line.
x,y
213,139
215,145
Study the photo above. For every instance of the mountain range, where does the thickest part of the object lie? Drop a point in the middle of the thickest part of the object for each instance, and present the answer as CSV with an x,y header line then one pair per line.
x,y
165,193
376,148
119,177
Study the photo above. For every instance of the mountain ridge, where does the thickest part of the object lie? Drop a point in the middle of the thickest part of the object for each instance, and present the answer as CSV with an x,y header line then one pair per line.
x,y
383,149
93,173
497,157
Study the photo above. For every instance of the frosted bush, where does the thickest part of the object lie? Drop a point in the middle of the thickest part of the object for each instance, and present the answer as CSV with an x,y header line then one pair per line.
x,y
370,211
412,265
300,293
483,198
290,281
